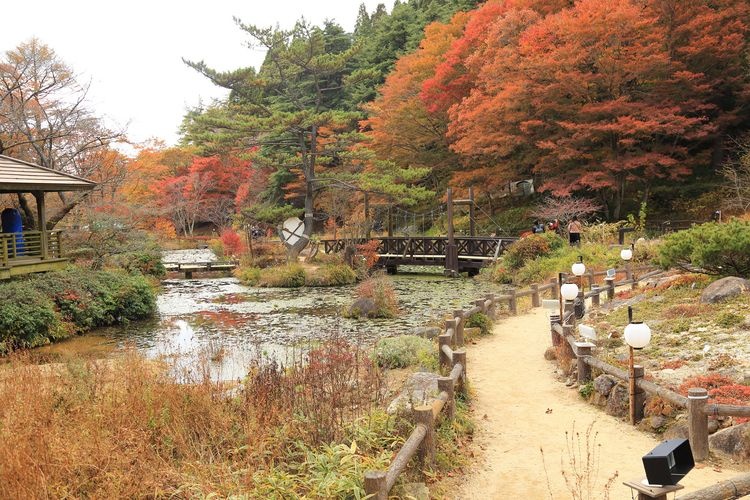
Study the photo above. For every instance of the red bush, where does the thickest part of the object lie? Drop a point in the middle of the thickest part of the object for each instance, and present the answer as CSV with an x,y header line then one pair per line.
x,y
232,242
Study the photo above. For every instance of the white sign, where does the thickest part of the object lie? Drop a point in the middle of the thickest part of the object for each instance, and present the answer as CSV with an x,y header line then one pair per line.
x,y
292,230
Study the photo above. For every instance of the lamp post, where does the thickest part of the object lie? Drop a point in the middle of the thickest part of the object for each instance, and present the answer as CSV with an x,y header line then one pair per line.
x,y
626,254
578,269
568,291
637,336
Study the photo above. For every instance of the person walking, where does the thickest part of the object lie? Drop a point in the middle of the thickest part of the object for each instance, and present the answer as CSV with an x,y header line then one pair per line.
x,y
574,231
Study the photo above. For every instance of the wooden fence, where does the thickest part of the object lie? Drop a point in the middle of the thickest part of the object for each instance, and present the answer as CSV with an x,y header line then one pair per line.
x,y
452,356
696,402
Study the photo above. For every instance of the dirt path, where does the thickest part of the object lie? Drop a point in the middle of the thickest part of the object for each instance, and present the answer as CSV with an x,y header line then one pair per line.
x,y
520,406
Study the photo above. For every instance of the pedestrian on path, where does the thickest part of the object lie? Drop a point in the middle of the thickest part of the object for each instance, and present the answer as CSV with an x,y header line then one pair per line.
x,y
574,231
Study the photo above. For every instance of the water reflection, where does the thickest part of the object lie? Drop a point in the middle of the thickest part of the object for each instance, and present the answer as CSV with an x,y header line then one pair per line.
x,y
221,325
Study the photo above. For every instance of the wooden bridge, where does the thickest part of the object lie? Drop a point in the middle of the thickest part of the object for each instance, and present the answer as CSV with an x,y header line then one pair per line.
x,y
463,254
190,267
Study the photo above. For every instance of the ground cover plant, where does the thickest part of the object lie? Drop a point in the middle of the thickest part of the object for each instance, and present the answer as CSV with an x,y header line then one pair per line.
x,y
42,308
376,298
406,350
296,275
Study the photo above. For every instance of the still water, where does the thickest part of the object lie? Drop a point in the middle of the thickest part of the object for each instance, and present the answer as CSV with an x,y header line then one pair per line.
x,y
226,324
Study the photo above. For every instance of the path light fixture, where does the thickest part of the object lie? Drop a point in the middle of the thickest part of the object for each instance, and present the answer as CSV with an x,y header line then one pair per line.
x,y
637,336
578,269
627,253
569,292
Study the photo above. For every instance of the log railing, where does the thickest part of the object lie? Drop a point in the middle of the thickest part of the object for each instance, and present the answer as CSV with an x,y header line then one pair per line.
x,y
421,441
29,245
696,403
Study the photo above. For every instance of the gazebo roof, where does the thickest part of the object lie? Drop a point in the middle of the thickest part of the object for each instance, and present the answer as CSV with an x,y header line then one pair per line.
x,y
18,176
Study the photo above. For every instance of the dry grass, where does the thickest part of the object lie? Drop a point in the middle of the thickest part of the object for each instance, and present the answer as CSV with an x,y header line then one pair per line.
x,y
126,429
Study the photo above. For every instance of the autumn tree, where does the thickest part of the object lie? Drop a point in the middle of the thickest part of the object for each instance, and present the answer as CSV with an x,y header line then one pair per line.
x,y
44,119
401,128
592,101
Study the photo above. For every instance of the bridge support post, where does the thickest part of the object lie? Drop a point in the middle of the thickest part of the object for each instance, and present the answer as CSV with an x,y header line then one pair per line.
x,y
451,251
188,275
392,270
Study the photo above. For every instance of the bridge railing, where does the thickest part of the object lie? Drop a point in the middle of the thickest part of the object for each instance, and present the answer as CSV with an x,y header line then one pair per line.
x,y
433,246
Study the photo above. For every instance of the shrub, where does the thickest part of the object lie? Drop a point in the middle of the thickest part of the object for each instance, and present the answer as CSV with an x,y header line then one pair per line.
x,y
232,243
481,321
721,249
332,275
404,351
525,250
248,275
288,276
586,390
146,262
729,319
379,289
54,305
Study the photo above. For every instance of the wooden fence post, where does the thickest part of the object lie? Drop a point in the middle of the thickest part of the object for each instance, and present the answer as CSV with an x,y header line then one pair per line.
x,y
640,394
460,357
375,484
583,349
426,452
555,289
567,332
698,422
459,314
513,302
595,300
446,384
444,339
480,304
536,301
610,289
592,278
492,310
553,320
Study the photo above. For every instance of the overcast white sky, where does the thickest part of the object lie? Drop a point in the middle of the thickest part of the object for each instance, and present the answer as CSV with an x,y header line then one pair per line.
x,y
131,51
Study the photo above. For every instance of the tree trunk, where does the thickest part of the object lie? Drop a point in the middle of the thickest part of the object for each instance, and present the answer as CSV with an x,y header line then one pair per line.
x,y
63,211
28,213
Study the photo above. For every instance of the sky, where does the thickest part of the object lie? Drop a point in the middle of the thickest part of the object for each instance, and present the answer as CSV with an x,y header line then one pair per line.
x,y
131,52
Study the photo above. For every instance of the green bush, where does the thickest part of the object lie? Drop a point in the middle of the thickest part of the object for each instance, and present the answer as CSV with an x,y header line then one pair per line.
x,y
729,319
481,321
332,275
288,276
720,249
248,275
405,351
526,249
51,306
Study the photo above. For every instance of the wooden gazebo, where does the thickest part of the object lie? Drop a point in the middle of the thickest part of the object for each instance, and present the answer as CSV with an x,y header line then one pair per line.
x,y
33,251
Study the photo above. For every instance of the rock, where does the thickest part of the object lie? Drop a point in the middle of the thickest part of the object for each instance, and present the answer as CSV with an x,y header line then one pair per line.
x,y
416,491
419,388
427,332
363,307
598,399
733,441
657,422
677,431
713,426
472,332
603,384
618,401
723,289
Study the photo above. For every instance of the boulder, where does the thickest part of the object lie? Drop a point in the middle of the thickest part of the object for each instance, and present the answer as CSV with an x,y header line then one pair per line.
x,y
427,332
677,431
734,441
603,384
618,401
362,308
723,289
657,422
418,389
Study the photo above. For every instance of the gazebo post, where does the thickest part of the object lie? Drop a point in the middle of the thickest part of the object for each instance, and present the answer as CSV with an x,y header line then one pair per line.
x,y
41,212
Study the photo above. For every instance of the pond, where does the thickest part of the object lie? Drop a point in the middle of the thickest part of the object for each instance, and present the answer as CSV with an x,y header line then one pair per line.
x,y
227,325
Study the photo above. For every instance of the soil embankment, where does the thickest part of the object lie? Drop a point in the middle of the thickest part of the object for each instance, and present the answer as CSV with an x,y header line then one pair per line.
x,y
520,407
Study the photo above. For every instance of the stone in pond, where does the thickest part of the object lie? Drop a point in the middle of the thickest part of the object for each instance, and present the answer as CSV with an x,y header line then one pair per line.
x,y
362,308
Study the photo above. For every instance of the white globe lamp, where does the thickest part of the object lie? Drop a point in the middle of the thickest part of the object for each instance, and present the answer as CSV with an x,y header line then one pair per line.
x,y
578,268
569,291
626,254
637,335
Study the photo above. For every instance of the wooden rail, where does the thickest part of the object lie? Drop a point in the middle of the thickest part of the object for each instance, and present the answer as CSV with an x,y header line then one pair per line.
x,y
190,267
696,403
736,487
29,245
421,441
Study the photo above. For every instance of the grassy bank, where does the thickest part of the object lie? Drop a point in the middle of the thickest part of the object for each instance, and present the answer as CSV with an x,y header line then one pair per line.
x,y
297,275
42,308
125,429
